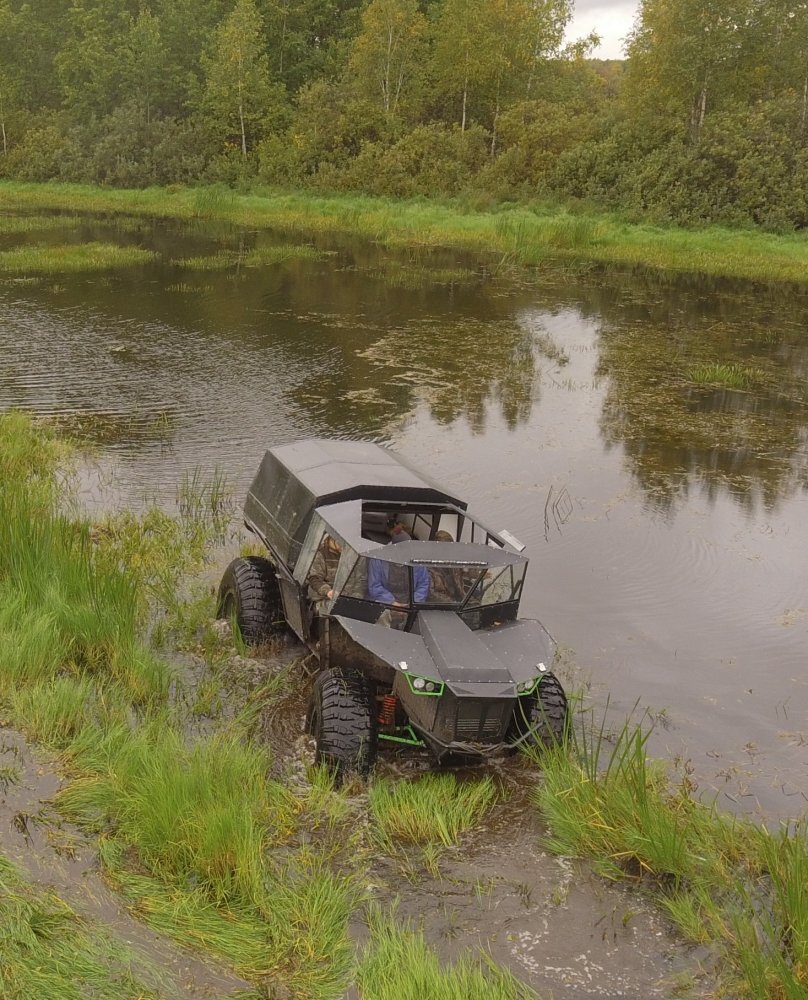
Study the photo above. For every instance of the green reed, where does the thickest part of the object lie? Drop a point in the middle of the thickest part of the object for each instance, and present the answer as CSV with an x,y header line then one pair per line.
x,y
731,376
433,809
528,234
724,881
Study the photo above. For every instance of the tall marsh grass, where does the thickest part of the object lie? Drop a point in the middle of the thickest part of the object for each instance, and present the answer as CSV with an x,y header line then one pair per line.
x,y
433,809
207,832
724,881
49,951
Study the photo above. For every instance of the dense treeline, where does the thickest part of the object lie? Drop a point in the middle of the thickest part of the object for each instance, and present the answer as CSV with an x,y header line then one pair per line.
x,y
707,120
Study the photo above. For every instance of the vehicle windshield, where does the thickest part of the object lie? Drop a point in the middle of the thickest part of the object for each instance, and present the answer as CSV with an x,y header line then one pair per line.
x,y
428,583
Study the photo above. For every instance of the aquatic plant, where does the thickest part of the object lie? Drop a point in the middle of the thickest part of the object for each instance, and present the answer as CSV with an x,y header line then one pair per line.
x,y
262,256
527,236
731,376
72,258
436,808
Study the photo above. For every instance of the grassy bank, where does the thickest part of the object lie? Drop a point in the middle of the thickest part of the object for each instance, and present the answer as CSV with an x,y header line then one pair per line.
x,y
517,234
196,836
723,881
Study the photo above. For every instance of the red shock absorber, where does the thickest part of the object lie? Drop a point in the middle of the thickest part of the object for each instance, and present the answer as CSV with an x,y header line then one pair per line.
x,y
387,710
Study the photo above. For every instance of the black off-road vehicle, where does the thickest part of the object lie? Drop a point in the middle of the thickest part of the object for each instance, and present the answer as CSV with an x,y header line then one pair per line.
x,y
408,602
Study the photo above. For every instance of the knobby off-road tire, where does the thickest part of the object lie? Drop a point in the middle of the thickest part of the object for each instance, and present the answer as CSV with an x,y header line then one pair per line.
x,y
250,597
342,720
543,714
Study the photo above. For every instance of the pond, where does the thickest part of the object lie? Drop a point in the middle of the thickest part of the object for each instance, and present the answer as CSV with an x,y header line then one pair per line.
x,y
646,436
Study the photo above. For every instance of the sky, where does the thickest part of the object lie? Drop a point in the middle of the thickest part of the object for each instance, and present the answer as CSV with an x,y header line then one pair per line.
x,y
611,19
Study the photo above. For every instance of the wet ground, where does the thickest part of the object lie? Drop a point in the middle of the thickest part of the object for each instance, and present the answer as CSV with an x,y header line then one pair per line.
x,y
52,853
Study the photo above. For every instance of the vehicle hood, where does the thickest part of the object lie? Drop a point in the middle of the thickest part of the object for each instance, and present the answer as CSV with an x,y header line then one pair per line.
x,y
442,647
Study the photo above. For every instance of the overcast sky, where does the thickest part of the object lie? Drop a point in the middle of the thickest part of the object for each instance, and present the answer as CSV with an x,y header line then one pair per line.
x,y
611,19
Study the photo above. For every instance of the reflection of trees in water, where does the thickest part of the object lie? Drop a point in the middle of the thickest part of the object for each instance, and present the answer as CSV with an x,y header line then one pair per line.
x,y
456,366
751,442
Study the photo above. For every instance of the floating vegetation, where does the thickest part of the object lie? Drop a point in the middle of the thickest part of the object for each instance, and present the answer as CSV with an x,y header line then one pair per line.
x,y
731,376
416,276
550,349
257,257
78,257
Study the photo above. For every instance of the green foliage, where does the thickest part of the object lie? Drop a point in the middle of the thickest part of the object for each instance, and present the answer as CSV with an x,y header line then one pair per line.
x,y
400,965
708,124
434,809
48,951
722,880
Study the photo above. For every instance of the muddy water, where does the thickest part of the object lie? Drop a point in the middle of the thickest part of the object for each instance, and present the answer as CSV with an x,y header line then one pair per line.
x,y
667,522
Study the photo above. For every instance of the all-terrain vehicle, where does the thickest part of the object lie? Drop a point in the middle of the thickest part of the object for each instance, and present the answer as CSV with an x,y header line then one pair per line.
x,y
408,603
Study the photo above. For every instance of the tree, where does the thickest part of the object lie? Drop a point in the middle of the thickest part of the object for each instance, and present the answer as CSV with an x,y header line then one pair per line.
x,y
388,50
239,96
144,58
685,54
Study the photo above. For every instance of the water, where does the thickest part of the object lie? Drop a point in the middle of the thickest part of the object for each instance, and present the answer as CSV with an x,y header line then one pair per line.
x,y
667,522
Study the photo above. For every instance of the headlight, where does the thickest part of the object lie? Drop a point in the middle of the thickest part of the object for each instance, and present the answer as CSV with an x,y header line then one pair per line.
x,y
423,685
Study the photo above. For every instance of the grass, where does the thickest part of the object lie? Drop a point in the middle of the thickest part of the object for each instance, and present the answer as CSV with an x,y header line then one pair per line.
x,y
14,224
730,376
195,832
433,809
523,235
48,951
399,965
723,881
72,258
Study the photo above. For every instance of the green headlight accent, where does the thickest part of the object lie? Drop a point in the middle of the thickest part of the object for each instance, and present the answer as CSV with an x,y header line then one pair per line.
x,y
532,685
437,686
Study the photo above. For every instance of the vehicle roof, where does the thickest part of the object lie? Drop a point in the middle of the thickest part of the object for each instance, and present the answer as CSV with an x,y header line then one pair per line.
x,y
344,520
293,480
332,470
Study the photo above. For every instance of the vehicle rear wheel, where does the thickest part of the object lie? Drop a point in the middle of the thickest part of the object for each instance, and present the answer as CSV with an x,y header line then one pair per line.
x,y
250,597
542,715
342,721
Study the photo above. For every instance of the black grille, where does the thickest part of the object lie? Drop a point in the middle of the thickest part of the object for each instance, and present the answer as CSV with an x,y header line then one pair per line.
x,y
479,721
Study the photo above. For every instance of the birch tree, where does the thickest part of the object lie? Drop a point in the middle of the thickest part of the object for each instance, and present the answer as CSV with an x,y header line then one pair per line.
x,y
238,95
388,51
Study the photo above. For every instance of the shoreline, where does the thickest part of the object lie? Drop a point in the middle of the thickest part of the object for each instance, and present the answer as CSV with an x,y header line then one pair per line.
x,y
521,235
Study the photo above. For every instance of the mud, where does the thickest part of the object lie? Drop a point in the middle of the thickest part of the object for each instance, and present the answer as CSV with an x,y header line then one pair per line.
x,y
54,854
555,924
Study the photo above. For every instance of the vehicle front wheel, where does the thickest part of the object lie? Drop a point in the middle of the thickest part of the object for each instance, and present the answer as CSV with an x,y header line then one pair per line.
x,y
543,716
342,721
250,597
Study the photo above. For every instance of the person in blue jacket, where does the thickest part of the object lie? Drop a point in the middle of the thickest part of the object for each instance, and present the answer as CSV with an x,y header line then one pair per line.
x,y
388,583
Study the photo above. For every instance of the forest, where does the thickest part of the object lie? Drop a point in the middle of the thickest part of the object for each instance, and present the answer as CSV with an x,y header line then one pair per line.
x,y
705,121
